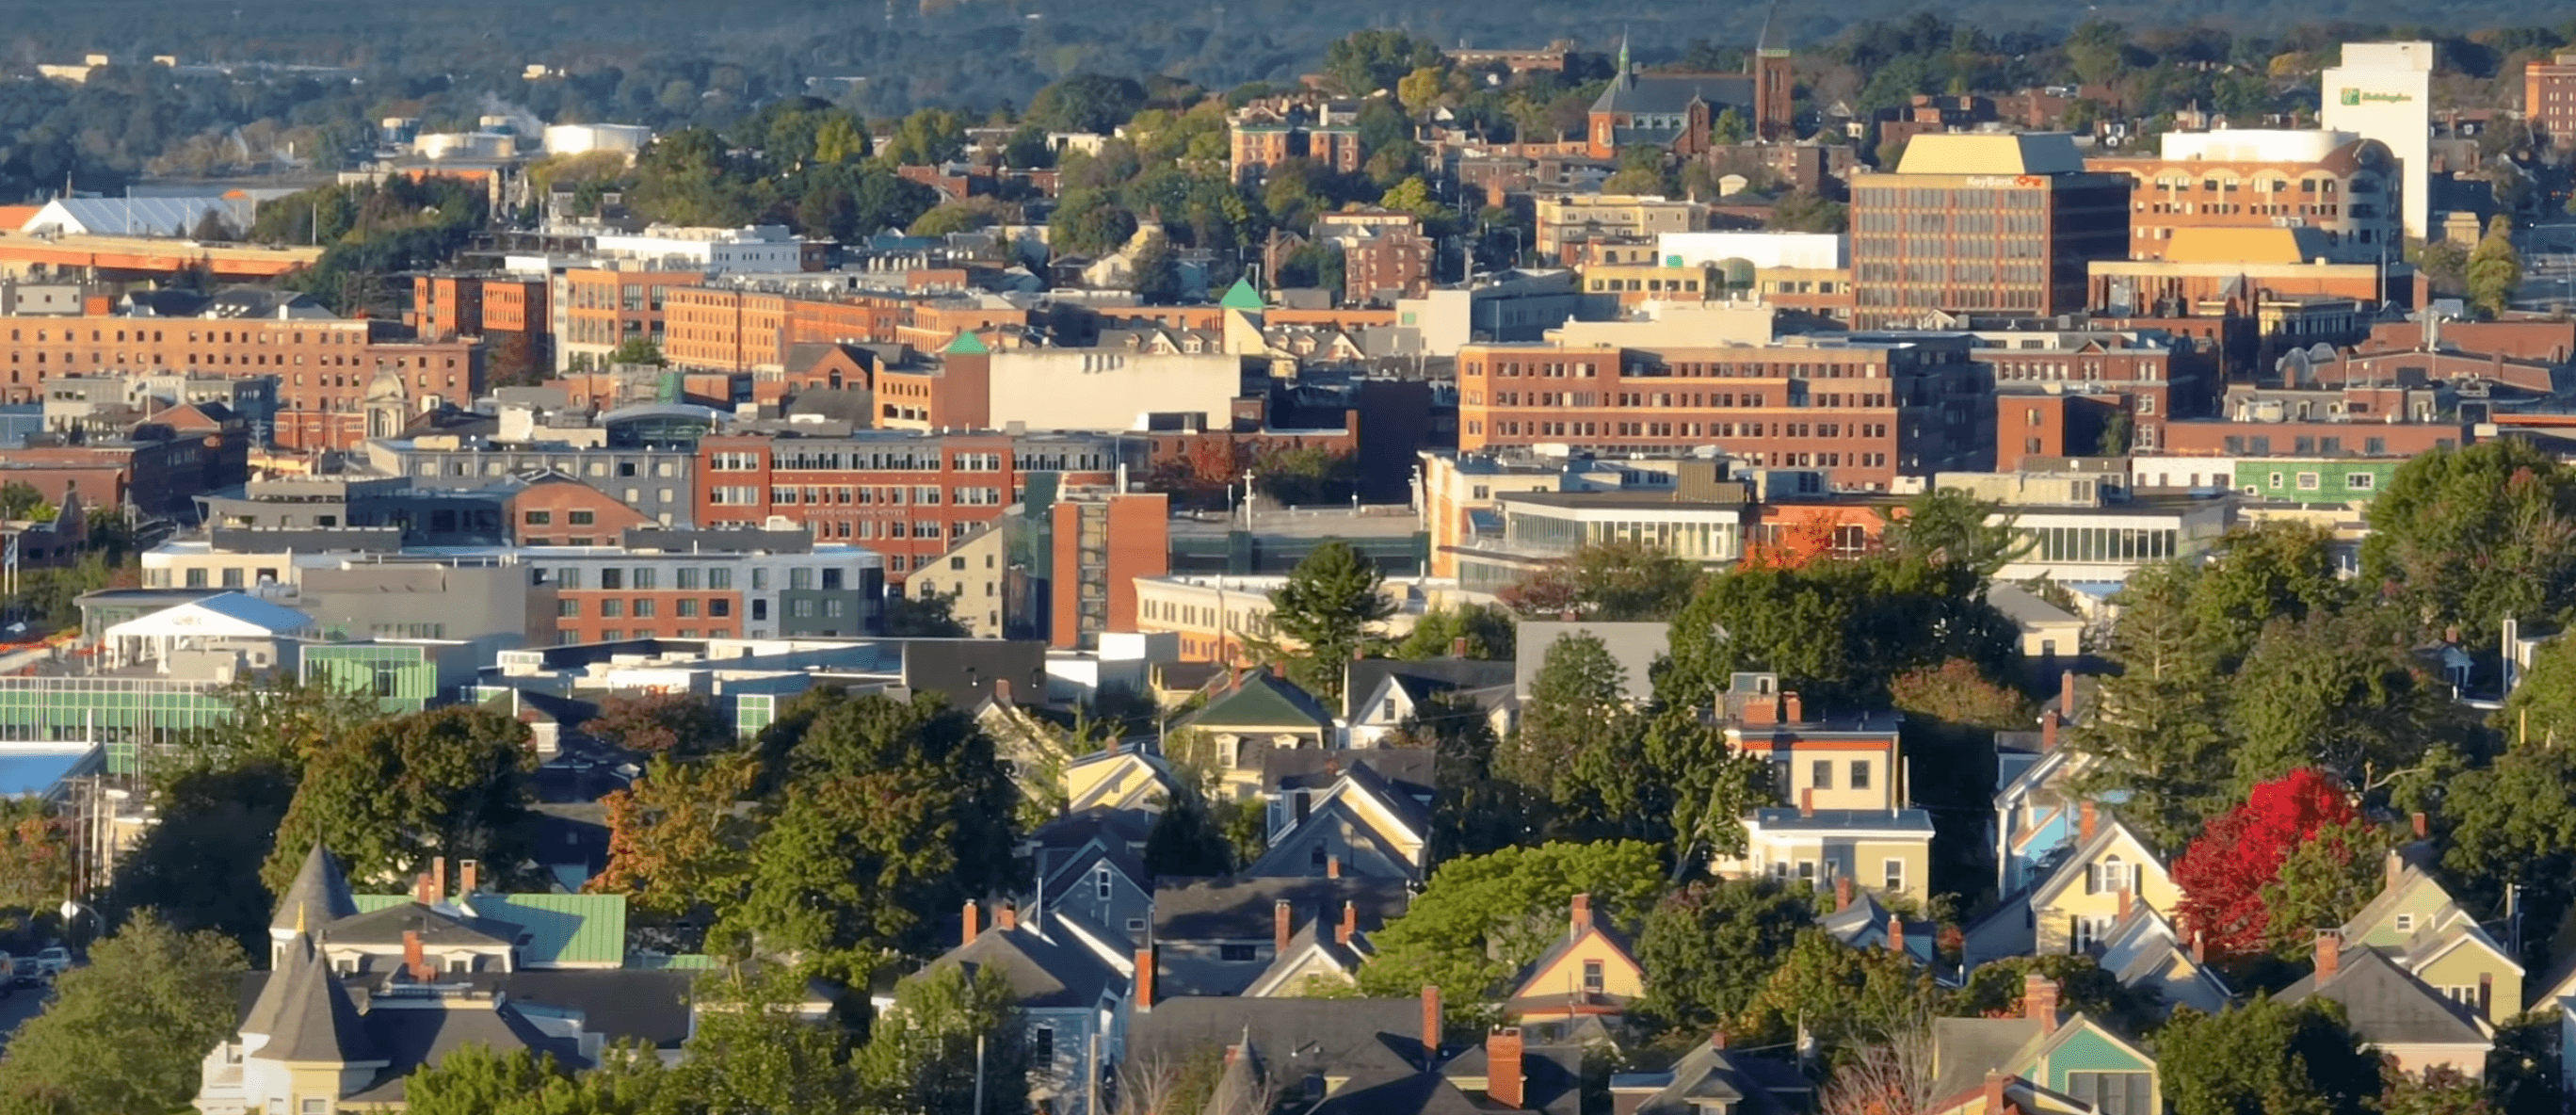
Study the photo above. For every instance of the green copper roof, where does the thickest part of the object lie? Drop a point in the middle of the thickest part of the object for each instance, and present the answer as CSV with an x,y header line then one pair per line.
x,y
680,962
1261,701
966,344
1241,296
587,929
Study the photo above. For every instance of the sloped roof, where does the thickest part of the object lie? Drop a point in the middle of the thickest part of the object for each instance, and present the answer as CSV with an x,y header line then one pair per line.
x,y
316,1022
1991,153
1668,93
2387,1006
1420,678
412,1038
1337,1037
130,216
1262,701
1747,1081
1863,924
223,615
1241,296
966,343
386,926
318,896
561,928
1042,970
1566,943
1235,909
1407,770
1311,939
1966,1048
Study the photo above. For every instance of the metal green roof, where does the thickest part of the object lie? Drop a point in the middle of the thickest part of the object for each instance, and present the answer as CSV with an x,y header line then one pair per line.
x,y
1261,701
683,962
1241,296
585,929
966,344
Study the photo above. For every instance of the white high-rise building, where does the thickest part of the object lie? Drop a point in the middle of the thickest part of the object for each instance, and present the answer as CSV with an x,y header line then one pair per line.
x,y
2384,91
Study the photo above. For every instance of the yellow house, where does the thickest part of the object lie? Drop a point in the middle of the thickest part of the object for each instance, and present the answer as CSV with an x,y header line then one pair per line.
x,y
1591,973
1885,851
1118,778
2416,924
2075,908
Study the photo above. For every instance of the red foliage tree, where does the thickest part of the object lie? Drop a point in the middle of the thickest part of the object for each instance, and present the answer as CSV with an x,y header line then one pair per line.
x,y
2240,852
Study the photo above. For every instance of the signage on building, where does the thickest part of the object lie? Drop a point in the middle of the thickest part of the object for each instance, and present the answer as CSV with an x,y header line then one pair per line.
x,y
2352,96
2001,182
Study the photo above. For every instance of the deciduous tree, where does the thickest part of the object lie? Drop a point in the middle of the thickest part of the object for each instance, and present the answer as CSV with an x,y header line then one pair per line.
x,y
1708,948
394,792
1842,996
1483,917
2266,1058
2464,538
2224,873
945,1027
679,839
655,723
126,1032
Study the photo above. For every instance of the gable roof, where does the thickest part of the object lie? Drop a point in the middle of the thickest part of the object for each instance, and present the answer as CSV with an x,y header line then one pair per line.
x,y
384,924
318,896
315,1021
1240,908
2145,943
1351,800
1312,942
1044,970
1863,924
966,343
409,1039
1668,93
1525,991
1419,678
1261,700
1750,1082
2387,1006
223,615
1406,771
1241,296
1965,1049
2070,870
1339,1037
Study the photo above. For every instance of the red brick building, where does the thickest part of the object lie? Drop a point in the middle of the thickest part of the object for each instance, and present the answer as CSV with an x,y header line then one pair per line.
x,y
2549,98
560,511
1101,545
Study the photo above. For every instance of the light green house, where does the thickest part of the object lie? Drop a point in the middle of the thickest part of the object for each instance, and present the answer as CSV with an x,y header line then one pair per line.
x,y
2074,1056
2322,480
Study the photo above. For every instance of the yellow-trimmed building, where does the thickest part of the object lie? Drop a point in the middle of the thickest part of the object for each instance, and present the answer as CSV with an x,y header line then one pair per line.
x,y
2075,908
1591,973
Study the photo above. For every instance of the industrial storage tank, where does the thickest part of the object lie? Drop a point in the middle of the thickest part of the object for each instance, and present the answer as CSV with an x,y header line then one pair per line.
x,y
581,139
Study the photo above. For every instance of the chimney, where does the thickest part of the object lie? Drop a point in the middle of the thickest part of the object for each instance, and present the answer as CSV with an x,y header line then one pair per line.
x,y
2086,819
2423,825
2066,695
1717,1039
1333,866
414,961
2039,1001
2125,902
1430,1025
1795,710
1332,766
1807,802
1281,923
420,891
2329,953
1001,691
1350,923
438,878
2199,948
1582,917
2048,731
468,876
1761,710
1279,670
1995,1079
1458,647
1007,918
2395,867
1359,654
1145,979
1896,933
974,922
1503,1067
1842,892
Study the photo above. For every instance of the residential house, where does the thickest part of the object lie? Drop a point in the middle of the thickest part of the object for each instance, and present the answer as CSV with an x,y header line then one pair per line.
x,y
1217,936
364,990
2075,1057
1583,985
1070,980
1711,1079
1319,1048
2073,909
2144,953
1826,763
2005,1094
1104,881
1255,712
1859,920
2414,923
1333,820
1118,777
2407,1020
2035,807
1886,850
1381,695
1317,954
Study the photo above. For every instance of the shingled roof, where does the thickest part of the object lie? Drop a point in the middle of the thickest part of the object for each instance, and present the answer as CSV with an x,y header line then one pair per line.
x,y
319,894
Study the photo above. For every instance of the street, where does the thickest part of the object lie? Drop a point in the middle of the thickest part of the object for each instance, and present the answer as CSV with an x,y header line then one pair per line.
x,y
20,1006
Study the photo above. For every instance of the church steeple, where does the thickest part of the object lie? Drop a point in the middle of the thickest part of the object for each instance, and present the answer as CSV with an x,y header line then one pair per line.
x,y
1623,56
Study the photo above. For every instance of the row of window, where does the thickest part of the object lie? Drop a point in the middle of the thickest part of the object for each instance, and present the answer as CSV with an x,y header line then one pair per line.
x,y
1891,873
643,607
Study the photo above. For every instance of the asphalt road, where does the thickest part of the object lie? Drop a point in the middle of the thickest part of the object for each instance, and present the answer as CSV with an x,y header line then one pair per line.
x,y
20,1006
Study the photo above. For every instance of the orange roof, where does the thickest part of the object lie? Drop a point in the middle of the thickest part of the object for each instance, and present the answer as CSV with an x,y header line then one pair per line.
x,y
16,216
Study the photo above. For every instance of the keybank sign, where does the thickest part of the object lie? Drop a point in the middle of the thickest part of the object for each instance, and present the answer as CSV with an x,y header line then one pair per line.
x,y
2353,96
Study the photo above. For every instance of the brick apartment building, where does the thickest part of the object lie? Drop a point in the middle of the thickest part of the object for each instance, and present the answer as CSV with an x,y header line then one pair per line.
x,y
2549,98
598,310
508,311
1862,410
907,495
1993,224
2260,178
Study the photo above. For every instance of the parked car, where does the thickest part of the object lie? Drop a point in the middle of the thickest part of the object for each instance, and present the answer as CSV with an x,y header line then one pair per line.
x,y
54,961
26,971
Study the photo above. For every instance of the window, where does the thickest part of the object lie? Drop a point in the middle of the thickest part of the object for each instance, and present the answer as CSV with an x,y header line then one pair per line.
x,y
688,609
1860,774
1100,881
1042,1044
1592,980
568,578
800,578
2360,481
196,578
1895,869
643,580
2112,1093
2082,933
1237,953
315,1107
801,609
612,578
643,609
719,607
612,609
685,579
568,608
2405,923
2307,481
759,611
720,579
538,518
580,518
1821,774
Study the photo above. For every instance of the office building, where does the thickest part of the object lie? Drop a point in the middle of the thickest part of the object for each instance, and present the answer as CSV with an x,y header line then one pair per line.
x,y
2384,91
2549,98
2344,186
1993,224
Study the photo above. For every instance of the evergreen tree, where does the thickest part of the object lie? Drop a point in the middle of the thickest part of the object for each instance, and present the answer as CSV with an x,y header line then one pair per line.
x,y
1332,604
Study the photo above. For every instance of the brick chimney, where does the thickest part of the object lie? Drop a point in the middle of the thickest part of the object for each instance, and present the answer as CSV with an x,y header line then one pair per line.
x,y
2086,820
1333,866
1359,654
1582,915
414,960
2048,731
1350,925
1007,918
973,920
2039,1001
1145,979
438,878
2126,901
2422,825
1842,892
1430,1025
1995,1104
421,891
1807,802
1001,691
2329,953
1282,923
1332,766
1761,710
468,876
2066,695
1717,1038
1896,933
1794,711
2199,948
1279,670
2394,866
1458,647
1503,1067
